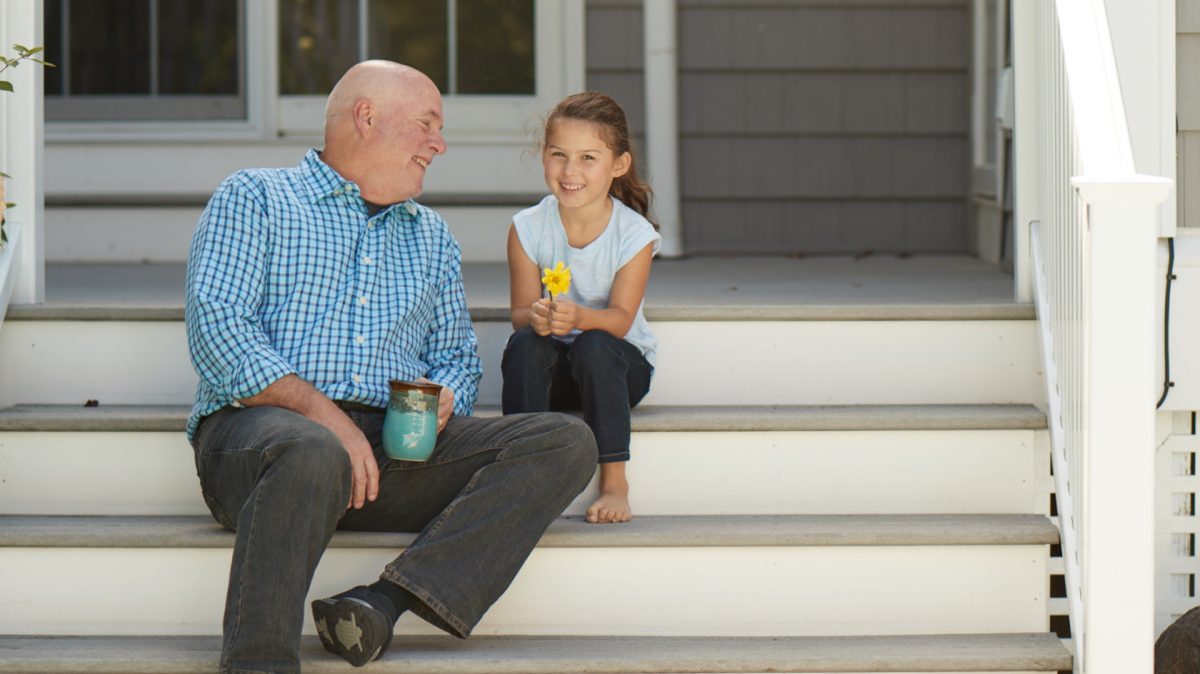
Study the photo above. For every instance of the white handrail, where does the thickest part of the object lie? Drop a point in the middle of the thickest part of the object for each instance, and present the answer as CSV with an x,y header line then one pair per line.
x,y
1094,225
1104,147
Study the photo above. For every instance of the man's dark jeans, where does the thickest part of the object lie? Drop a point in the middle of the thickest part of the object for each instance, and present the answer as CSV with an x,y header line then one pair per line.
x,y
597,373
480,503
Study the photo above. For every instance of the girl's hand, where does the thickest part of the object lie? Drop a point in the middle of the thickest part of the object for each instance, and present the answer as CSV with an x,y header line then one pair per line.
x,y
539,317
565,317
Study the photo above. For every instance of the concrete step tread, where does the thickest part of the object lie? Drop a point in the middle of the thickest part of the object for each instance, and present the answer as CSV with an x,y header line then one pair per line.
x,y
650,418
500,314
517,200
751,288
1039,652
199,531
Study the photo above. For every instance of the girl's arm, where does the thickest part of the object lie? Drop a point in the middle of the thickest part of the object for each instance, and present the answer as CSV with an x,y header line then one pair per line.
x,y
524,287
628,289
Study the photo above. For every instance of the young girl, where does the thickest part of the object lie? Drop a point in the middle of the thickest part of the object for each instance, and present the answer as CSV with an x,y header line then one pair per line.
x,y
589,347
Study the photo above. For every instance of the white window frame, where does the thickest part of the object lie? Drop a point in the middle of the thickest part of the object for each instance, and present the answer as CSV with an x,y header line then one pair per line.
x,y
471,119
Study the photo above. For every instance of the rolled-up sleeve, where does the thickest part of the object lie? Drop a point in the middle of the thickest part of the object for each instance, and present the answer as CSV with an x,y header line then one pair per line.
x,y
451,350
226,280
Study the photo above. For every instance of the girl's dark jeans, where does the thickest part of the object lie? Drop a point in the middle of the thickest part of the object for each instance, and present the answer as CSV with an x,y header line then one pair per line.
x,y
281,482
597,373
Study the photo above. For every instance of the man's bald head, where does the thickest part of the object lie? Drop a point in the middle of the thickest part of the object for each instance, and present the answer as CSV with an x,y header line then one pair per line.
x,y
383,127
374,80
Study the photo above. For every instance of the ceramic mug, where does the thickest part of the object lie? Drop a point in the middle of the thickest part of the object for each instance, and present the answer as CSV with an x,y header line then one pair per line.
x,y
410,424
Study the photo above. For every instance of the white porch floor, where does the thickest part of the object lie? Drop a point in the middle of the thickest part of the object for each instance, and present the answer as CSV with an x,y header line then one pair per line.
x,y
880,288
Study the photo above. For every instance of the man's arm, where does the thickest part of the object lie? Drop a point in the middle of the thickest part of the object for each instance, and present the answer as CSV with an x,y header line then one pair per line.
x,y
233,355
225,282
293,393
451,349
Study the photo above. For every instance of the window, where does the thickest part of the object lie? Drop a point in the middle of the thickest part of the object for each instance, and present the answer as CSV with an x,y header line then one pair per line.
x,y
255,69
144,60
465,46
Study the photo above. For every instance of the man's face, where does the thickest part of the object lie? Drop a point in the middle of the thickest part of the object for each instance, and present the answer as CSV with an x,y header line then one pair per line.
x,y
410,137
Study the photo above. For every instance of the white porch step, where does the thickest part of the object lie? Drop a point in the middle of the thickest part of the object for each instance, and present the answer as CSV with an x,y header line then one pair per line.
x,y
568,655
655,576
60,460
159,228
700,362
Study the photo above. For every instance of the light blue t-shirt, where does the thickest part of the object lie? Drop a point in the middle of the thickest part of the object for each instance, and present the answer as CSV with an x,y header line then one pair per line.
x,y
593,267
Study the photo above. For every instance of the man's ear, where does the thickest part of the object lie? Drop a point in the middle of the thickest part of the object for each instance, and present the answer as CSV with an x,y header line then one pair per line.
x,y
621,164
365,116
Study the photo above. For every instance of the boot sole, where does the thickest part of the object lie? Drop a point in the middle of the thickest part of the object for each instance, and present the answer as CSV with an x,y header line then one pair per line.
x,y
352,628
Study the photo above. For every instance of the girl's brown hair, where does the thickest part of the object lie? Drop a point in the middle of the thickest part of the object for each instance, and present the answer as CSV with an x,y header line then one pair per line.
x,y
601,110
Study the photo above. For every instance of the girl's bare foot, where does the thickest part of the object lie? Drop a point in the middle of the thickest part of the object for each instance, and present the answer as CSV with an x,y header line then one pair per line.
x,y
613,504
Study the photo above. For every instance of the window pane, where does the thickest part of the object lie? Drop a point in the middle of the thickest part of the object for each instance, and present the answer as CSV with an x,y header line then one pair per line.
x,y
198,47
495,47
412,33
54,49
318,42
110,47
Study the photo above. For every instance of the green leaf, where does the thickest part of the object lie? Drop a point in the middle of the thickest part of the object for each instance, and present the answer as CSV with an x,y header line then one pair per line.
x,y
35,50
20,47
4,175
45,63
5,86
9,204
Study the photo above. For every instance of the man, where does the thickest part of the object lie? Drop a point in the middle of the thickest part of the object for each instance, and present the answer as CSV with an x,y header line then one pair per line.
x,y
309,288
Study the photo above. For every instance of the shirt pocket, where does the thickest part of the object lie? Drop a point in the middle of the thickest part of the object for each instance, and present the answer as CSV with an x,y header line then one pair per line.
x,y
412,296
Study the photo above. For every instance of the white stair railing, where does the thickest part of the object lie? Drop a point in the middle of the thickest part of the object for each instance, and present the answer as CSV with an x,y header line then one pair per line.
x,y
1094,224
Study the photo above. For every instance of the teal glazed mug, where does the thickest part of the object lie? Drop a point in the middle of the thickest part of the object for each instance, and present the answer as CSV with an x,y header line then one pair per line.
x,y
410,424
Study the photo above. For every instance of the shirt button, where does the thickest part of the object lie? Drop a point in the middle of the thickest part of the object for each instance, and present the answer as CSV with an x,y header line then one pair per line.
x,y
360,339
366,260
411,208
370,224
357,379
362,299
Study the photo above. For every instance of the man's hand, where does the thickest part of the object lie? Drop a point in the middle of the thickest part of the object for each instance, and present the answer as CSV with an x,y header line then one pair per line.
x,y
539,317
445,403
364,470
293,393
565,317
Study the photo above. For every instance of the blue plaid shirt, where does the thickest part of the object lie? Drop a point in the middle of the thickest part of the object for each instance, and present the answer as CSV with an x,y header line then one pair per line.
x,y
289,274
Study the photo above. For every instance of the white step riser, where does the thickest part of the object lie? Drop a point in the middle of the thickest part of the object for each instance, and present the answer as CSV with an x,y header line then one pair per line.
x,y
163,234
822,362
838,472
815,591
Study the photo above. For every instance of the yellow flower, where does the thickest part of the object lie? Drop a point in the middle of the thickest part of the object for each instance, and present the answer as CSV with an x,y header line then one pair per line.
x,y
557,280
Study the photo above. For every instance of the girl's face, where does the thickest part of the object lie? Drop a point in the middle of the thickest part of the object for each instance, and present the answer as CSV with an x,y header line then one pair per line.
x,y
579,166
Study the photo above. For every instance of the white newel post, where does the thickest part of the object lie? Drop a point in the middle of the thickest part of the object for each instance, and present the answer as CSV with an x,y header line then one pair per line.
x,y
662,119
21,146
1118,542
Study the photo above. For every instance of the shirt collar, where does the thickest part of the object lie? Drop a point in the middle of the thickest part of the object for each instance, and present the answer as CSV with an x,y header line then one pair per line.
x,y
321,180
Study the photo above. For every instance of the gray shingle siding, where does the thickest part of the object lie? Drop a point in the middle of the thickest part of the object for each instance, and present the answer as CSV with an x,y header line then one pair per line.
x,y
809,126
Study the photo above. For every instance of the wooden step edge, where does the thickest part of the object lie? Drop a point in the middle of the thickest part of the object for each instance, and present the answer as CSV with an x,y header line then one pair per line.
x,y
649,418
654,314
1034,652
198,531
197,200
